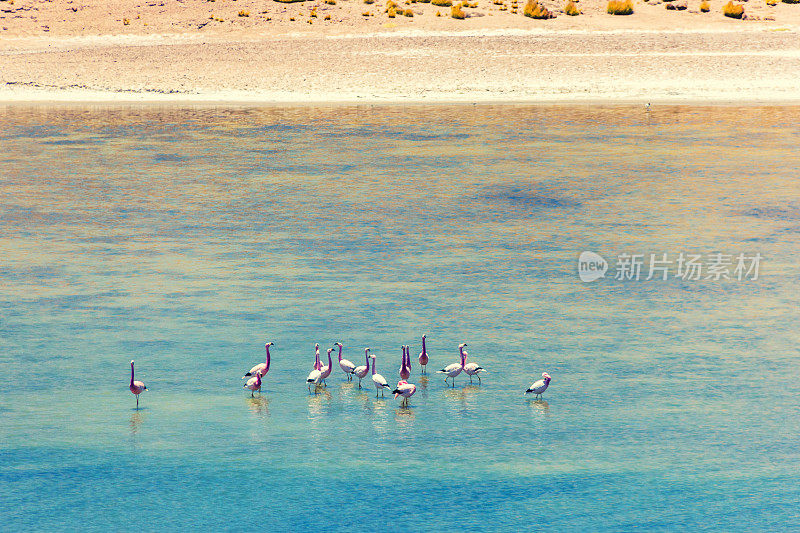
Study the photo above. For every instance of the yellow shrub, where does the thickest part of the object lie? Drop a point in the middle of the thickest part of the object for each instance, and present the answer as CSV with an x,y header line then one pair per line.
x,y
244,13
457,13
571,9
705,7
734,11
620,7
536,11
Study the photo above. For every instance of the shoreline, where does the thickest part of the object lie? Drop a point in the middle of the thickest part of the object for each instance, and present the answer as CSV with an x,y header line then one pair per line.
x,y
684,66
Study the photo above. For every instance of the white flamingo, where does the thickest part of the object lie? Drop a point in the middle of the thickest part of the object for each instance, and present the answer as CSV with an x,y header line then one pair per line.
x,y
254,384
361,371
260,367
346,365
423,356
378,380
473,369
406,390
455,369
316,372
325,371
405,367
539,386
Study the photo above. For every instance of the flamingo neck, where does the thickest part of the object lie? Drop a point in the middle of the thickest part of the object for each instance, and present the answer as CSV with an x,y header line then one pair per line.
x,y
329,359
340,353
317,364
373,366
258,379
267,367
131,374
423,346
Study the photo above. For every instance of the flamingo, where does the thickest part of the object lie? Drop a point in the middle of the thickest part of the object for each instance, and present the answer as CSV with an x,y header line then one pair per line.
x,y
254,384
136,387
404,389
423,356
539,386
377,379
325,371
473,369
260,367
361,371
405,370
316,372
317,363
346,365
455,369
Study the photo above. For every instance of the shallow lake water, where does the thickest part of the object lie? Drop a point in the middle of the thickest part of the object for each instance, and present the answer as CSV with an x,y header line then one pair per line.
x,y
185,238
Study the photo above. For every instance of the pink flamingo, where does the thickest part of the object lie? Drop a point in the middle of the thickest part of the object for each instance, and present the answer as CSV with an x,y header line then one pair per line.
x,y
423,357
405,370
455,369
361,371
346,365
254,384
406,390
325,371
136,387
317,364
260,367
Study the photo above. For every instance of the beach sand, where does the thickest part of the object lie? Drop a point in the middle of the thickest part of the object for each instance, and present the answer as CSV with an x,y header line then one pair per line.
x,y
203,51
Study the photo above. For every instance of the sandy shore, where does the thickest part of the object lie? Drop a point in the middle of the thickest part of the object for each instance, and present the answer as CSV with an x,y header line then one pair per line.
x,y
110,52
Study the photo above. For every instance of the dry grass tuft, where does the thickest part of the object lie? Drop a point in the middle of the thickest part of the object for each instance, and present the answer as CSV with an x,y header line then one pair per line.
x,y
535,10
705,7
330,2
457,13
734,11
126,22
620,7
571,9
244,13
408,13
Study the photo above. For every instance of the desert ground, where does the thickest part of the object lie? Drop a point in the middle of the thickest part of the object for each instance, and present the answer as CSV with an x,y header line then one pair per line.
x,y
349,50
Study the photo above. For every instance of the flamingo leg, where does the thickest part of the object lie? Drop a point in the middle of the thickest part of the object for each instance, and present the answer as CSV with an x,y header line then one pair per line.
x,y
137,402
479,379
470,378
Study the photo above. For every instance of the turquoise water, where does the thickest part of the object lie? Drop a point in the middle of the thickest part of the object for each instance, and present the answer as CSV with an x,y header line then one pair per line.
x,y
185,238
